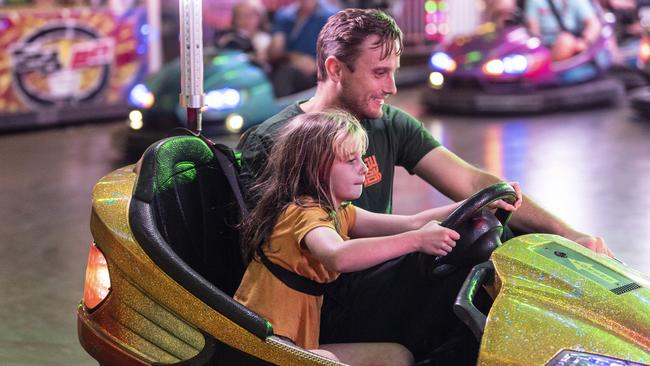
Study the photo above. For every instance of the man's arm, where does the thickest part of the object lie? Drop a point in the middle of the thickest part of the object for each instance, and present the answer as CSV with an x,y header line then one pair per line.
x,y
457,179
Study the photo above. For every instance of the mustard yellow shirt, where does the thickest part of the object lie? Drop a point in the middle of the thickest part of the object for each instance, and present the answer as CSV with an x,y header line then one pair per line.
x,y
293,314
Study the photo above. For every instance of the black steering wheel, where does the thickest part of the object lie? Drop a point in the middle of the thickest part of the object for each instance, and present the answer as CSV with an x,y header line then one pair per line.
x,y
480,231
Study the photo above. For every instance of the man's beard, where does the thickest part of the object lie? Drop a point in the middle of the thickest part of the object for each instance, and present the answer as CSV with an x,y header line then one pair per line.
x,y
355,106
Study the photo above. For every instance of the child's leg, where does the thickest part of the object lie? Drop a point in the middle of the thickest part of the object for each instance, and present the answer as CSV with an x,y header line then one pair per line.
x,y
325,353
394,303
564,46
360,354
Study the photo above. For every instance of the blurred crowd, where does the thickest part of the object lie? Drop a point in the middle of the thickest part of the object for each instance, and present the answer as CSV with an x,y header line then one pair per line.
x,y
567,27
280,35
283,40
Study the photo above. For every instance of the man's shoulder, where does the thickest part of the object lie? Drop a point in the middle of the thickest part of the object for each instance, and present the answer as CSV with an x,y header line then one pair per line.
x,y
275,122
284,115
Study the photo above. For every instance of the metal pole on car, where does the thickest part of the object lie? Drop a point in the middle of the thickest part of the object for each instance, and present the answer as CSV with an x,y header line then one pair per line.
x,y
191,97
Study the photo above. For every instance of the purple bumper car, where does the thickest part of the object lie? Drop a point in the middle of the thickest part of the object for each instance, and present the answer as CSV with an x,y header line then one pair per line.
x,y
510,71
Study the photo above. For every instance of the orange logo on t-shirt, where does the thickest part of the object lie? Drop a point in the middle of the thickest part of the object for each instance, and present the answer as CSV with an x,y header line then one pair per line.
x,y
373,175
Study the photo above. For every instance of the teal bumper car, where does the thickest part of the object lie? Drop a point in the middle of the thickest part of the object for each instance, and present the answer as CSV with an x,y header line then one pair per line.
x,y
238,95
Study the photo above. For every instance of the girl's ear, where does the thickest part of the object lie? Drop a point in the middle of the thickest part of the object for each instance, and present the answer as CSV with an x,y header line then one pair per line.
x,y
333,67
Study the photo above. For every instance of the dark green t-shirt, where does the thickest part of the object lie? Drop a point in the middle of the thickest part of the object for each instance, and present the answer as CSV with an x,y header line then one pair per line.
x,y
396,138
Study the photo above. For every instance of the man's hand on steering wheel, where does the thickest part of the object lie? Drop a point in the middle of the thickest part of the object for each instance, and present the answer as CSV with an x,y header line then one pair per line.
x,y
594,243
507,206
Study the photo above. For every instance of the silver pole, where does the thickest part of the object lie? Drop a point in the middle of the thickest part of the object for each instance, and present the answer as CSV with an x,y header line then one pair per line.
x,y
192,97
155,47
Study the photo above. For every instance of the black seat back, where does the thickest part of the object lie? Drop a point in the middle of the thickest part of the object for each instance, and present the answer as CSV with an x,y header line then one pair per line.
x,y
184,214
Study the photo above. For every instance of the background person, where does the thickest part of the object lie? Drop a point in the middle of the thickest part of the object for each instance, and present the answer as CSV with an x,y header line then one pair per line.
x,y
248,31
292,52
503,12
578,17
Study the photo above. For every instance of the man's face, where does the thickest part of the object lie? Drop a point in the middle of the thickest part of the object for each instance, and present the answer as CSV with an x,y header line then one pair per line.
x,y
364,91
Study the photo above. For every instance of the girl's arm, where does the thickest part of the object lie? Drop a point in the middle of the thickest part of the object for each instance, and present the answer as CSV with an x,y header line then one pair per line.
x,y
356,254
373,224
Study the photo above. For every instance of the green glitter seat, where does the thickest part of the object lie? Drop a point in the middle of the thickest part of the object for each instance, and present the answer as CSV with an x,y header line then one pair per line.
x,y
184,215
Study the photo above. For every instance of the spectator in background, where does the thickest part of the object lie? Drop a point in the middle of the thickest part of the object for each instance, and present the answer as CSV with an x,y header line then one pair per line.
x,y
293,44
503,13
248,31
579,26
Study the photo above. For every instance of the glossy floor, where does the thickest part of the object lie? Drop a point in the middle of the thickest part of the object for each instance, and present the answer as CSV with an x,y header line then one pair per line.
x,y
590,168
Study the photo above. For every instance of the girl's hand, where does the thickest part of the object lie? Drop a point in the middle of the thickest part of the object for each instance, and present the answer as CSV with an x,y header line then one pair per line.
x,y
436,239
507,206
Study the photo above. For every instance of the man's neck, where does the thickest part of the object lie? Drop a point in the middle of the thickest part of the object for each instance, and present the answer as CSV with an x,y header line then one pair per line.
x,y
323,99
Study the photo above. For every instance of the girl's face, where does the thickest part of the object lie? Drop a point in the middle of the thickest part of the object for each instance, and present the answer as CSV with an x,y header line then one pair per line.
x,y
346,178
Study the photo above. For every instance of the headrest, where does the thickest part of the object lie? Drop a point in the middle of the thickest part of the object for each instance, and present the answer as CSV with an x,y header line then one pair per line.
x,y
170,161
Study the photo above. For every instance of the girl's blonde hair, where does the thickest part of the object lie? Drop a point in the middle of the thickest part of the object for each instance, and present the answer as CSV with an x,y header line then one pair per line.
x,y
298,170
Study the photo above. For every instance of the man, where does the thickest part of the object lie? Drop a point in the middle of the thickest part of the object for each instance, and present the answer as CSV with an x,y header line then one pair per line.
x,y
292,51
358,54
579,26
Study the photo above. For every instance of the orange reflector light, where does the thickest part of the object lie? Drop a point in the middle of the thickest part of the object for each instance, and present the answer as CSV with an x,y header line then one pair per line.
x,y
494,67
98,281
644,50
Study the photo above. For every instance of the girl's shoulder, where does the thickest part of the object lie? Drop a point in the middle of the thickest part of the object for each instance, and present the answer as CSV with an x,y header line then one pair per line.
x,y
307,211
307,208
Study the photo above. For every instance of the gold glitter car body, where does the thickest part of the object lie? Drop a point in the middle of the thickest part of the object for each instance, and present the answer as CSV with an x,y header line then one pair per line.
x,y
554,301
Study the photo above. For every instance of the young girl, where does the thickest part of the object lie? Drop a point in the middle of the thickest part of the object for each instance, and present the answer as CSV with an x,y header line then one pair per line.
x,y
304,223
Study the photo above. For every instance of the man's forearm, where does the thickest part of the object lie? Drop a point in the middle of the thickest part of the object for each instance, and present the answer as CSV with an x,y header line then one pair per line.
x,y
532,218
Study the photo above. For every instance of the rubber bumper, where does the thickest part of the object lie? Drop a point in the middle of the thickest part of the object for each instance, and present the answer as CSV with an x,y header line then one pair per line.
x,y
602,91
100,345
640,100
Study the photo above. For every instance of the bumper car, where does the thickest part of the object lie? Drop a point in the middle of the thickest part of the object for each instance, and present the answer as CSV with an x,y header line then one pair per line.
x,y
165,262
640,98
238,95
506,70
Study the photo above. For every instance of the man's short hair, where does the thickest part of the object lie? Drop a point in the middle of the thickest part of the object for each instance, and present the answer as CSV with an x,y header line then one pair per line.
x,y
346,30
